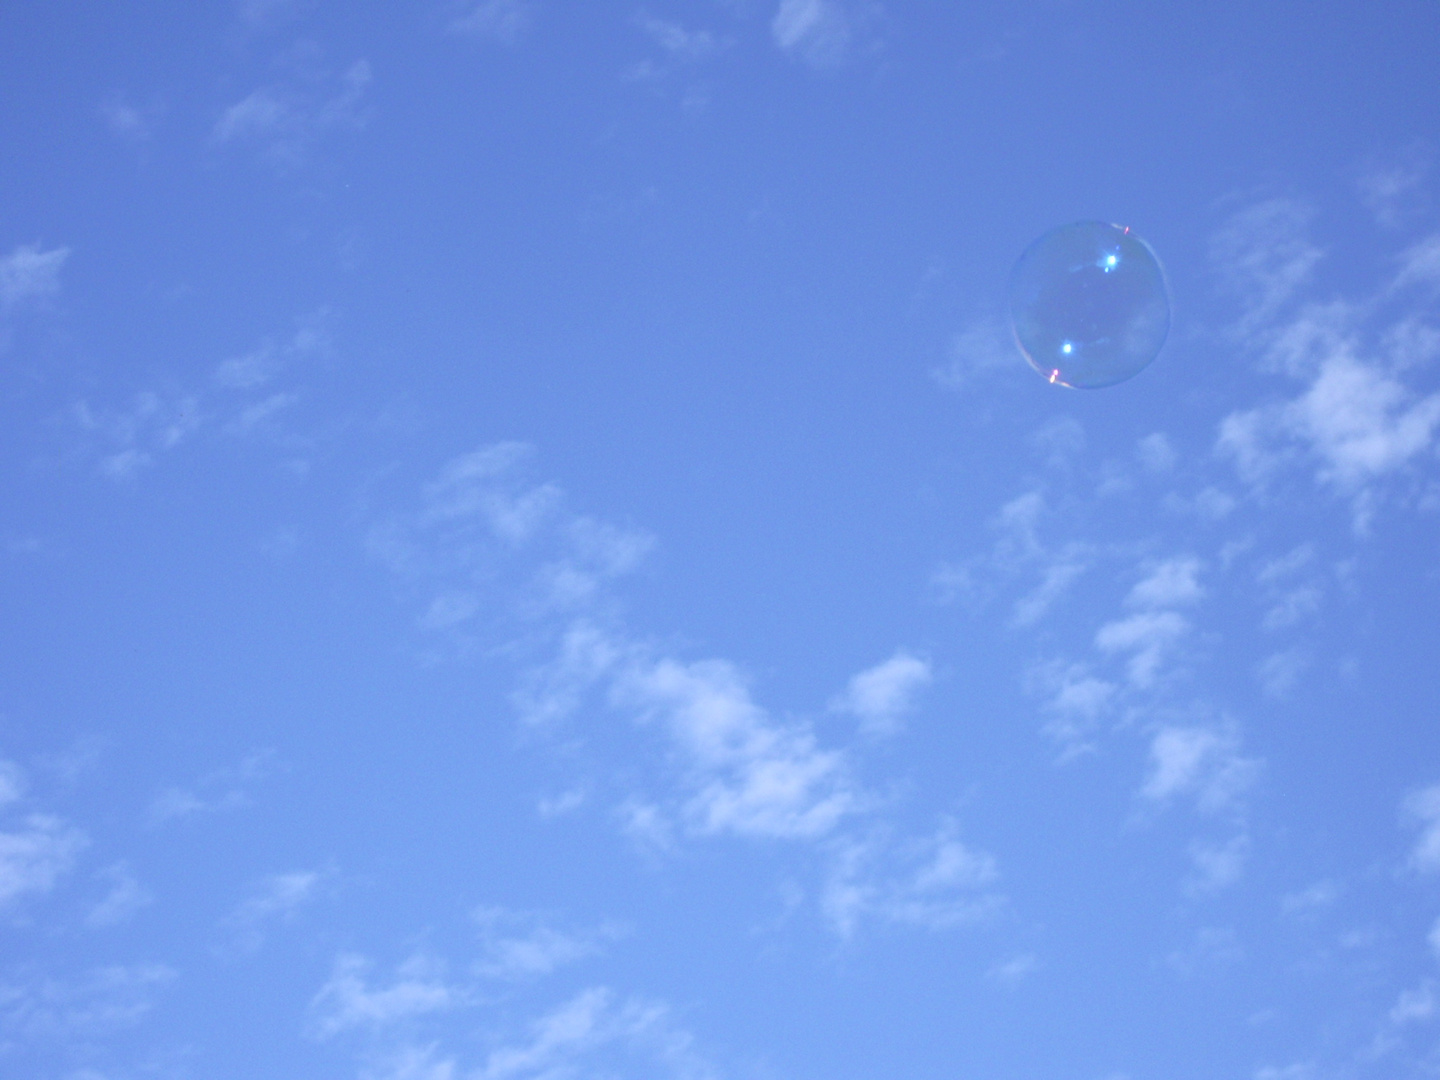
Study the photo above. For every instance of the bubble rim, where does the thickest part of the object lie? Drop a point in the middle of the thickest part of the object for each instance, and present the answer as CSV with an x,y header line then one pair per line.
x,y
1051,374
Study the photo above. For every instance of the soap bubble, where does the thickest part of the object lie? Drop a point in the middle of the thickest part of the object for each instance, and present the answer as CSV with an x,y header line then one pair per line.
x,y
1089,305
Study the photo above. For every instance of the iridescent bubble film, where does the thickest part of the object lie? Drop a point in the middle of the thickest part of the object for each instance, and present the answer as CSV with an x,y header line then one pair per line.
x,y
1089,305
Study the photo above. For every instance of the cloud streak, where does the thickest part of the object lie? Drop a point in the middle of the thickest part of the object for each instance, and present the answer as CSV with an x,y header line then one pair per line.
x,y
1356,423
881,696
30,274
706,760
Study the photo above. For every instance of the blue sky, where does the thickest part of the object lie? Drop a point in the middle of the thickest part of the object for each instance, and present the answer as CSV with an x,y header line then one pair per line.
x,y
527,550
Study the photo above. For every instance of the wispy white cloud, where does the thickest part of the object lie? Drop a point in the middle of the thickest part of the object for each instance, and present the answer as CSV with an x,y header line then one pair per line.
x,y
348,1000
217,792
594,1033
402,1019
679,53
1059,573
1209,504
820,32
1172,582
745,772
1420,267
1416,1006
709,759
1156,453
1291,587
411,1062
150,425
99,1003
1265,257
1201,763
35,852
937,882
680,45
36,849
238,400
505,21
1074,700
737,770
285,120
267,14
1357,422
273,899
30,274
1279,672
523,945
1213,949
1394,190
980,350
1300,1070
12,783
131,123
475,520
1017,551
881,696
1016,970
563,803
126,897
1146,638
1136,675
476,487
1216,866
1422,809
584,656
1356,419
1313,898
595,553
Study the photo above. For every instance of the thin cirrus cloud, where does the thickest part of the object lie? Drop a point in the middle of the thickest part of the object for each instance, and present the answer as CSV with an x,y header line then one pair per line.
x,y
1173,582
1200,762
349,1000
1292,587
597,1032
980,351
600,1033
880,697
124,899
819,32
1394,190
36,849
1356,424
520,946
933,883
710,761
748,774
35,853
285,120
1145,640
680,51
1132,669
221,791
128,122
30,274
272,900
680,46
1422,809
76,1010
504,21
401,1023
1018,552
246,397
